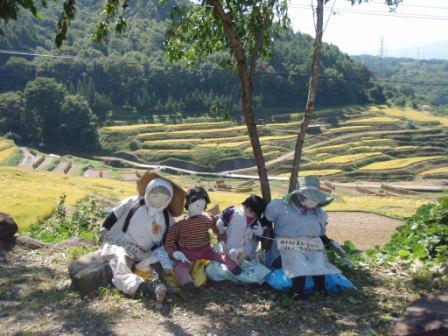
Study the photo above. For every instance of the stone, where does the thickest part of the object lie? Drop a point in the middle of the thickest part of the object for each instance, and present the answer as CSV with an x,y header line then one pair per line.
x,y
8,226
426,316
90,272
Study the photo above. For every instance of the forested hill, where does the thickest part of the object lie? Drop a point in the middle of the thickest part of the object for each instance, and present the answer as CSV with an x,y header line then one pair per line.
x,y
411,81
129,78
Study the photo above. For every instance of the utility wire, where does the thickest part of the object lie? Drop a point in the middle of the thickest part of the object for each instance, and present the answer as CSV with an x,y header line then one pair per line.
x,y
283,74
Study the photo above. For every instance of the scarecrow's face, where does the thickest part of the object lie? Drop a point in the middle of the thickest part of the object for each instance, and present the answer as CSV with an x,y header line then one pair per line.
x,y
158,196
196,207
249,213
309,203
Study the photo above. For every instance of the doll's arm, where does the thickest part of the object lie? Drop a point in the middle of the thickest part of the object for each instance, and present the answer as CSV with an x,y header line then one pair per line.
x,y
171,238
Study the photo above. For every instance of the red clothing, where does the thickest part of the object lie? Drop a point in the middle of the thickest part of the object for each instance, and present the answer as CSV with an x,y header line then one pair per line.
x,y
191,232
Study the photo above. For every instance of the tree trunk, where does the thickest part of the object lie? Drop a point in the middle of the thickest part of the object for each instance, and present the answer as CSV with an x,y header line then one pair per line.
x,y
311,97
247,91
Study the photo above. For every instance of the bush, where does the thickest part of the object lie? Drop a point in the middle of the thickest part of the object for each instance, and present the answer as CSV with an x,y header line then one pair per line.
x,y
423,237
84,220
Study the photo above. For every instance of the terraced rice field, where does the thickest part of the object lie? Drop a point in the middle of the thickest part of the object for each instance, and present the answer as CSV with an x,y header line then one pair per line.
x,y
398,163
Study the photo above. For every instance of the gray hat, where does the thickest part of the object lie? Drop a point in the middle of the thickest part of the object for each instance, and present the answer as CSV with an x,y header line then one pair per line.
x,y
309,187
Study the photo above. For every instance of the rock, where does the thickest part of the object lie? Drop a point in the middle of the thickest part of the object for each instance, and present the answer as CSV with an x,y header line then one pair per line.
x,y
90,272
8,226
30,243
427,316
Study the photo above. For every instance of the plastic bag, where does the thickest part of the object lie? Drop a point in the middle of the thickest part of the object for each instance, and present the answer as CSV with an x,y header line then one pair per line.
x,y
252,272
334,283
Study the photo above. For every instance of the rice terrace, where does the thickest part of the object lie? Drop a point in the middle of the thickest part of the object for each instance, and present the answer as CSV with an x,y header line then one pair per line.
x,y
223,167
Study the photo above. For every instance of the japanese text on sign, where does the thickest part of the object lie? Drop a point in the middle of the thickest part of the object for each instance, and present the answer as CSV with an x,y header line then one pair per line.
x,y
304,244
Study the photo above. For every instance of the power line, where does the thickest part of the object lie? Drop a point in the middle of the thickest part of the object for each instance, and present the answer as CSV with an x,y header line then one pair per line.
x,y
379,13
401,5
284,74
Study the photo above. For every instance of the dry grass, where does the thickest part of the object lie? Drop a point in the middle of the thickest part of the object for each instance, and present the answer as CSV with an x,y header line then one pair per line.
x,y
373,120
6,153
195,140
348,128
407,113
317,172
398,163
5,144
131,128
398,207
193,131
350,157
440,170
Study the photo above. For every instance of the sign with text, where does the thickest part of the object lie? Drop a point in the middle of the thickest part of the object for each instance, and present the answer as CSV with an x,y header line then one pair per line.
x,y
303,244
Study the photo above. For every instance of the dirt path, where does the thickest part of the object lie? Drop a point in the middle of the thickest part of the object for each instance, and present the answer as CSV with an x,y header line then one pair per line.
x,y
365,230
28,158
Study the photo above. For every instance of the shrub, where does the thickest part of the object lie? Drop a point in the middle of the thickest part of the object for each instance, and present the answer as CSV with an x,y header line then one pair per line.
x,y
423,237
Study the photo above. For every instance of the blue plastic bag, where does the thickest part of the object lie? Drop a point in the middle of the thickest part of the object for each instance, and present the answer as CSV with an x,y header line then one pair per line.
x,y
334,283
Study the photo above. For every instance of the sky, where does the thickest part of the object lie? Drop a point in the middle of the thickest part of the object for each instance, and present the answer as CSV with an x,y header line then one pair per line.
x,y
359,29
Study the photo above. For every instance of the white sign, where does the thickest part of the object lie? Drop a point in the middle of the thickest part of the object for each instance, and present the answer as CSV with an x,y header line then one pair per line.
x,y
303,244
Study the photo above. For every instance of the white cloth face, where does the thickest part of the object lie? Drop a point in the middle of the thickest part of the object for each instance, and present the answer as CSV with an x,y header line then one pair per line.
x,y
309,203
159,194
197,207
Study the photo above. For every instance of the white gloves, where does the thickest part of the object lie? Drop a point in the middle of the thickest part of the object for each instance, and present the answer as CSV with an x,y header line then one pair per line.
x,y
257,229
220,226
144,264
178,255
218,248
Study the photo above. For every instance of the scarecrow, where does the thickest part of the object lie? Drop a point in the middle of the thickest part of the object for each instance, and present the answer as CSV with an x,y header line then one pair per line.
x,y
136,228
189,239
300,239
245,228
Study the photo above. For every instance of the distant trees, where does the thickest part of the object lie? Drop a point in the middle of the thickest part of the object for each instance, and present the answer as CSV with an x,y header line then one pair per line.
x,y
46,115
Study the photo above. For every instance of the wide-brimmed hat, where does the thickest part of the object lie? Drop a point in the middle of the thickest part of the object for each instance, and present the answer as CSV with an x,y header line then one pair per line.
x,y
177,203
309,187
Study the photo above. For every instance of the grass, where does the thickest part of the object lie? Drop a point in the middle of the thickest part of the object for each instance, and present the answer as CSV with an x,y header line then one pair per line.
x,y
200,131
6,153
407,113
398,163
5,144
373,120
398,207
194,140
348,128
43,190
130,128
317,172
350,157
440,170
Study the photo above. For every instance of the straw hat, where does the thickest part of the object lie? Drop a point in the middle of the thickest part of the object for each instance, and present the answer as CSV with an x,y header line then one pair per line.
x,y
177,203
309,187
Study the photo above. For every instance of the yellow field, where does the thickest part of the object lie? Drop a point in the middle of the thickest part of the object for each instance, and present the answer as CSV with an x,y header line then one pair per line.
x,y
283,124
366,148
4,143
34,195
398,163
6,153
373,120
366,142
167,151
348,128
350,157
406,147
197,131
128,128
440,170
317,172
399,207
187,140
411,114
224,144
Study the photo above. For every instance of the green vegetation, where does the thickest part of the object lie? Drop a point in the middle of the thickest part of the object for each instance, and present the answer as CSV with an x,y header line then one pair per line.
x,y
84,220
424,237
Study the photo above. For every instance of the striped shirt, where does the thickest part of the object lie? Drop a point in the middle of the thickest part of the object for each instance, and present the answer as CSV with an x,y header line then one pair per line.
x,y
191,232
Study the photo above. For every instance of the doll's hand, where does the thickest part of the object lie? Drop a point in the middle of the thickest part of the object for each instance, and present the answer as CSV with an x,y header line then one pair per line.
x,y
248,234
257,229
178,255
218,248
220,226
